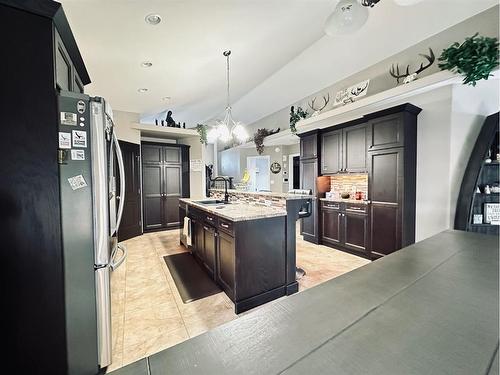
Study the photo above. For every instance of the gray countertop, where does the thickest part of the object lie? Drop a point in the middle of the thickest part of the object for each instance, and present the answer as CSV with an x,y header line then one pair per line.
x,y
238,211
431,308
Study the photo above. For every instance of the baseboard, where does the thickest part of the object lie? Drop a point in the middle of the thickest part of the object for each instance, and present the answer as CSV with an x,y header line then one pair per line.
x,y
250,303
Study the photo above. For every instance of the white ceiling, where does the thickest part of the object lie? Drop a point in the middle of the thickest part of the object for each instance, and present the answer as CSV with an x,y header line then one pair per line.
x,y
280,53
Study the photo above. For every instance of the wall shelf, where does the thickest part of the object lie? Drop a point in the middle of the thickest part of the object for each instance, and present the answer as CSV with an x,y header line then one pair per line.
x,y
164,131
375,102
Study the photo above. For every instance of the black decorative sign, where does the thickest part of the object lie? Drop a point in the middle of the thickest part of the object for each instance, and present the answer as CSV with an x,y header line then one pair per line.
x,y
275,167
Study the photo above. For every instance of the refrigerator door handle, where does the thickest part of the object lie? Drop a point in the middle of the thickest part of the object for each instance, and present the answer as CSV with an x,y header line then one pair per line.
x,y
121,171
117,263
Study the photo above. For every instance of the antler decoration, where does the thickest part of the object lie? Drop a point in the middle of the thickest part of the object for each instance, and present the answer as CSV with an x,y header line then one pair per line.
x,y
326,100
396,73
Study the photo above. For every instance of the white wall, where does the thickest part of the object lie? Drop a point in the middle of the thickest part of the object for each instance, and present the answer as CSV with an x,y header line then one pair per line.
x,y
123,122
197,178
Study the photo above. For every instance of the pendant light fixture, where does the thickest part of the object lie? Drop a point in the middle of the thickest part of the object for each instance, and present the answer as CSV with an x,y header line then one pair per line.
x,y
228,128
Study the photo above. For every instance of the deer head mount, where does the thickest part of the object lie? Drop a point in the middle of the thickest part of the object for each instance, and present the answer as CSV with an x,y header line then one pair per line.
x,y
326,100
407,76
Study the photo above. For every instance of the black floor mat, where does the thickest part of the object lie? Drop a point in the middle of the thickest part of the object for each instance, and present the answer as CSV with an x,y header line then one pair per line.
x,y
191,280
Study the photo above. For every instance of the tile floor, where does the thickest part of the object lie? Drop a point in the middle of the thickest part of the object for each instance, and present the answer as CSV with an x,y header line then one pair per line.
x,y
148,314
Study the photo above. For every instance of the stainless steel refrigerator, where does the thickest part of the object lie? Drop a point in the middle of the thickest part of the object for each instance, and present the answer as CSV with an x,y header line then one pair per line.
x,y
91,206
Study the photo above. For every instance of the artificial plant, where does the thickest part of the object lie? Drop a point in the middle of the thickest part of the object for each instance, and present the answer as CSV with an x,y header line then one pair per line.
x,y
202,131
296,116
475,58
259,136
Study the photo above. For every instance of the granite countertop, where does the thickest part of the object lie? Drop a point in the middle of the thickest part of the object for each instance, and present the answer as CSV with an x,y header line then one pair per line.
x,y
340,200
238,211
286,196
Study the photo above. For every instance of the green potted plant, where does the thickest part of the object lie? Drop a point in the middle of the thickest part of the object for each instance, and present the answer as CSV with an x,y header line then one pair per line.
x,y
475,58
296,116
202,132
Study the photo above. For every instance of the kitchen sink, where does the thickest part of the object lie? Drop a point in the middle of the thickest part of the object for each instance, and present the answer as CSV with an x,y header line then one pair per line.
x,y
211,202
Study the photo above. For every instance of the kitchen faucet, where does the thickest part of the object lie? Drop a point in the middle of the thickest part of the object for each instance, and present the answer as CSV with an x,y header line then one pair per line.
x,y
226,182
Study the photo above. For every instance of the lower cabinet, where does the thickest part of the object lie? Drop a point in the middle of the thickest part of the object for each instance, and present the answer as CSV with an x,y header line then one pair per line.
x,y
197,240
210,249
345,226
226,263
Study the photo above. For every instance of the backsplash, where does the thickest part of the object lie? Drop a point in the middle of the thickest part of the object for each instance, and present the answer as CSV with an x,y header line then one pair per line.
x,y
251,198
349,182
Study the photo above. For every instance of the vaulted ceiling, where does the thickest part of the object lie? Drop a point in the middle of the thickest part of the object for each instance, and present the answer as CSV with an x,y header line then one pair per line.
x,y
280,53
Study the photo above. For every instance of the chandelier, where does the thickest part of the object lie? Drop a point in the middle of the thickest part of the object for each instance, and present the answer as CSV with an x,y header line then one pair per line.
x,y
228,128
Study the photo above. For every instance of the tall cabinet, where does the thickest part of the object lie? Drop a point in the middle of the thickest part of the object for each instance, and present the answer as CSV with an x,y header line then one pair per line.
x,y
392,165
309,166
35,31
163,169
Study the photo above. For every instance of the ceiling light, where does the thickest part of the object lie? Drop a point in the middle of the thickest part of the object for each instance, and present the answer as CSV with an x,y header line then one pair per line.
x,y
146,64
348,16
369,3
153,19
228,129
166,98
142,91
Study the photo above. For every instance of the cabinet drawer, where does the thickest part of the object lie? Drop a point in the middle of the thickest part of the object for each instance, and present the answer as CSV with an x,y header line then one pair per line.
x,y
226,226
360,208
209,219
330,205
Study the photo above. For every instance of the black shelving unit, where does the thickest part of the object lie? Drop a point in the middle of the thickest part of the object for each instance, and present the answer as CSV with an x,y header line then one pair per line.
x,y
479,174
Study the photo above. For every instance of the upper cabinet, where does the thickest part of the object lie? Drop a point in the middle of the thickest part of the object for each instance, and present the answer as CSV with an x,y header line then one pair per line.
x,y
309,146
386,132
344,150
66,75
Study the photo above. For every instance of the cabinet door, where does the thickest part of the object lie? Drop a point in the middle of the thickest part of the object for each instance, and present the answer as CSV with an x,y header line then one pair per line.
x,y
354,148
172,155
386,194
356,231
210,245
173,191
309,173
152,154
198,243
331,220
225,263
386,132
309,146
152,194
63,69
331,152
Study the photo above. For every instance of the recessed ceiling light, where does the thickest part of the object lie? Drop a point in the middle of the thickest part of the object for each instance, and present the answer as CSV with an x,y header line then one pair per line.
x,y
146,64
142,90
153,19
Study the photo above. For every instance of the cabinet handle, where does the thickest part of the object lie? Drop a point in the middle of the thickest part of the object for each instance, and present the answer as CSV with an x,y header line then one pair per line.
x,y
339,214
209,218
224,225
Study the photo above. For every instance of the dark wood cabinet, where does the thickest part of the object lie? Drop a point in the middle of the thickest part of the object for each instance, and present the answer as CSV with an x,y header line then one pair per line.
x,y
330,220
356,231
309,146
344,150
309,173
345,226
209,249
386,189
354,148
331,152
198,239
162,179
226,263
386,132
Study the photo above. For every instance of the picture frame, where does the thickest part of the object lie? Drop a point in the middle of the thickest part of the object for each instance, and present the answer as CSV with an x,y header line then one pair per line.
x,y
491,213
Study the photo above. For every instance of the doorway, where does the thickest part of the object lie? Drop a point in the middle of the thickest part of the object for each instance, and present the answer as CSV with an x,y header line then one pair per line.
x,y
131,219
259,169
294,171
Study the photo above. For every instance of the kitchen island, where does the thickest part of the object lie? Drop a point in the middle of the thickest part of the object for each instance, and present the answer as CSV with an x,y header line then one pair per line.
x,y
431,308
248,249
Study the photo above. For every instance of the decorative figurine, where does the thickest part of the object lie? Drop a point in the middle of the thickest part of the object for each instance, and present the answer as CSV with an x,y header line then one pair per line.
x,y
488,159
162,123
156,121
170,121
487,189
184,125
478,191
